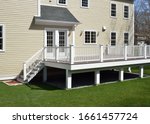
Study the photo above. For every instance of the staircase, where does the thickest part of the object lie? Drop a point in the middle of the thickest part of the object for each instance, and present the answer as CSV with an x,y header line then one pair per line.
x,y
32,67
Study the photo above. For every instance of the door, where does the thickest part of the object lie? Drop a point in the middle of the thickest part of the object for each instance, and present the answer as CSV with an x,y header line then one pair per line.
x,y
50,43
54,39
62,42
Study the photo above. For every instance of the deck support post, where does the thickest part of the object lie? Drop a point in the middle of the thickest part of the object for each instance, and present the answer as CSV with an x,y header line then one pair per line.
x,y
68,79
121,74
97,77
141,72
45,74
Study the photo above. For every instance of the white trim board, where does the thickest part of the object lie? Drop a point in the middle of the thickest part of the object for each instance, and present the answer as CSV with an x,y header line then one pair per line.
x,y
7,77
97,65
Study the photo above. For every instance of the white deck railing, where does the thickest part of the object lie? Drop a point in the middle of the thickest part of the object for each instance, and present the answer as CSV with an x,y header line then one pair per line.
x,y
99,53
32,62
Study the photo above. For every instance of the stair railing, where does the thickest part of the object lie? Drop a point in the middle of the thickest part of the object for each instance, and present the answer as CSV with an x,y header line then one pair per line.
x,y
33,61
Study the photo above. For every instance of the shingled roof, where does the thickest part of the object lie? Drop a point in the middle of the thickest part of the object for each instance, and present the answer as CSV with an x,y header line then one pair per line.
x,y
56,15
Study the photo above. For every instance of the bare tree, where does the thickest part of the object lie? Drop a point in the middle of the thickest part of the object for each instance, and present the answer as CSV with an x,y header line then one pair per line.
x,y
142,20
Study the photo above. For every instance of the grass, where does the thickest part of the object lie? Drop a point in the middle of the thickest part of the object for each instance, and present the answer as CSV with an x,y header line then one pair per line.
x,y
133,93
129,93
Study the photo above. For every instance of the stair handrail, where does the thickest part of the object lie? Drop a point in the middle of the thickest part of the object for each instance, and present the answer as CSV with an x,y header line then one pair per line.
x,y
26,65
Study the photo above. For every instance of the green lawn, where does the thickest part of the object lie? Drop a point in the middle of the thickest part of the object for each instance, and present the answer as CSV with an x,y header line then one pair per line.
x,y
128,93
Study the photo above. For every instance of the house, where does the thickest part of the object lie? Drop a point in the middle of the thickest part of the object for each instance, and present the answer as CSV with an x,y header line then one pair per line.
x,y
74,35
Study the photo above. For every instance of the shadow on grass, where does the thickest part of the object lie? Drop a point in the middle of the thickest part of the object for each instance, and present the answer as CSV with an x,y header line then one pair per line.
x,y
41,86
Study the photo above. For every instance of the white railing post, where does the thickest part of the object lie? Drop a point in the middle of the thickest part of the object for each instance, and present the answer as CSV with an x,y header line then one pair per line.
x,y
72,54
102,53
45,53
24,71
145,51
56,53
126,52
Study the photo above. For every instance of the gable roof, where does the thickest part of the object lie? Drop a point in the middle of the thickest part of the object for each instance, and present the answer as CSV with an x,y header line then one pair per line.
x,y
56,16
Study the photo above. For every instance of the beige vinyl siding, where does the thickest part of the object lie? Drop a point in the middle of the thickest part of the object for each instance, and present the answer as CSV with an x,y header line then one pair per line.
x,y
97,16
21,40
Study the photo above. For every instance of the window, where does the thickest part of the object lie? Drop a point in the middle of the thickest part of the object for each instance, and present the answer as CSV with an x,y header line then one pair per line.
x,y
113,10
85,3
113,38
63,2
126,11
1,37
90,37
126,38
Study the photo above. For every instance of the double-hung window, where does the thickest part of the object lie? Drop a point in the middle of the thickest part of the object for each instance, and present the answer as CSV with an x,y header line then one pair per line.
x,y
126,11
126,38
113,38
62,2
85,3
90,37
113,10
1,37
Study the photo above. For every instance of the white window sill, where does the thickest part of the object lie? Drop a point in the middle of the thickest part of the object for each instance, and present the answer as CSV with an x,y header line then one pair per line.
x,y
83,7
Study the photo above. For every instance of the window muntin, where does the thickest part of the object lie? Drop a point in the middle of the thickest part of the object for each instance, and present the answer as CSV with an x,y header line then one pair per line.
x,y
90,37
85,3
126,11
126,38
63,2
50,38
113,38
113,10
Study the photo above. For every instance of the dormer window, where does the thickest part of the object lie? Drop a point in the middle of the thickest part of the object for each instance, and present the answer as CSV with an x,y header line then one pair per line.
x,y
85,3
62,2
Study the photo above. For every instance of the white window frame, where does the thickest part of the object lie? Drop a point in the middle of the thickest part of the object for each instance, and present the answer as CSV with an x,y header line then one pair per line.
x,y
85,6
110,9
124,38
90,38
62,4
3,37
128,11
111,39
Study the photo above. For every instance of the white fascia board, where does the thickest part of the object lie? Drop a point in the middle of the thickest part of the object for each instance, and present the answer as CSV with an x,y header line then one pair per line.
x,y
109,64
57,23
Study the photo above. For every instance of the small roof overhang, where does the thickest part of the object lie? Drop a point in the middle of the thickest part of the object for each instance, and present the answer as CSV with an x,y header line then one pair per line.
x,y
58,16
